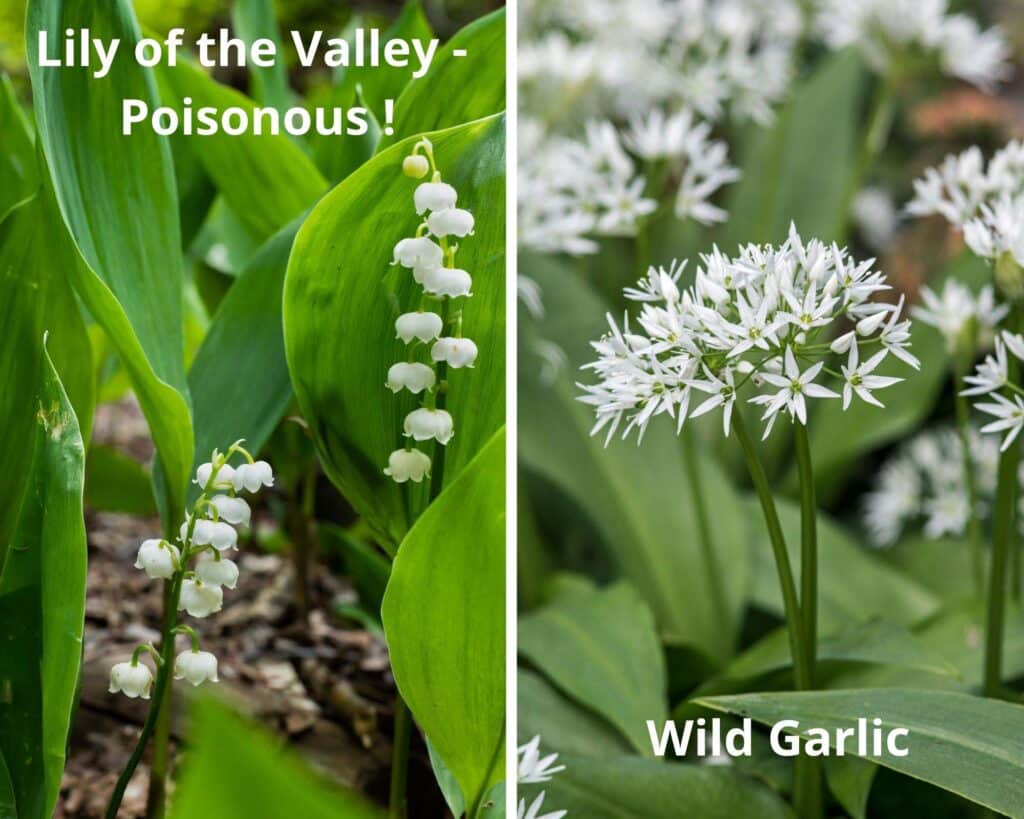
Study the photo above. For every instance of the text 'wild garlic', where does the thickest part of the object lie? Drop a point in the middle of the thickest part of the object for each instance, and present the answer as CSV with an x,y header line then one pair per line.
x,y
768,317
196,567
434,340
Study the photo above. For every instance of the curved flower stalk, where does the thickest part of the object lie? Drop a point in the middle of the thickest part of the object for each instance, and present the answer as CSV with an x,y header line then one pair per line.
x,y
432,331
535,768
197,570
904,34
769,319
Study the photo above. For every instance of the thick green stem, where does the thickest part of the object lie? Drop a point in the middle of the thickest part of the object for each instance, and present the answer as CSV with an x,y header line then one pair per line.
x,y
397,801
707,543
809,796
977,556
1002,538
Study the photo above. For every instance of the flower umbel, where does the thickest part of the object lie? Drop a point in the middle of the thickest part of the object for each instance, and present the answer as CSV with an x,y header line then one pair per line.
x,y
534,768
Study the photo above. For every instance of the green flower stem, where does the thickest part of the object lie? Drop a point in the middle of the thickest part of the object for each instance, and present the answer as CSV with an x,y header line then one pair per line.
x,y
876,135
1002,539
398,799
707,544
963,417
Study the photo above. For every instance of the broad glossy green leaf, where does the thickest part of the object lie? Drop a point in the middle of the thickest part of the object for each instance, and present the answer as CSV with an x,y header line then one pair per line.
x,y
601,647
18,168
965,744
35,299
633,788
254,20
239,378
115,482
342,297
118,199
447,783
456,89
263,778
444,616
42,604
638,497
562,724
850,780
265,179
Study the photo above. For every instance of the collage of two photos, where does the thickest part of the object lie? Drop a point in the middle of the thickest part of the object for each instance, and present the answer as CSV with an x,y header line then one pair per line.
x,y
452,408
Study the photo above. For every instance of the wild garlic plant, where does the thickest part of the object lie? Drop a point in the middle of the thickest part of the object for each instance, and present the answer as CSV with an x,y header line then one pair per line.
x,y
534,767
433,331
768,321
197,571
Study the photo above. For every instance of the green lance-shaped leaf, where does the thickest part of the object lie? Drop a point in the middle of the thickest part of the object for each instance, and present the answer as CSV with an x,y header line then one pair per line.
x,y
254,20
342,297
456,89
970,746
35,298
117,196
18,170
601,647
42,606
262,780
265,178
444,618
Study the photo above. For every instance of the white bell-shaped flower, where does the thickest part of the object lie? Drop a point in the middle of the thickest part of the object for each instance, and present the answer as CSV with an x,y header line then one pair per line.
x,y
415,166
196,666
457,352
199,599
423,424
214,572
410,375
448,281
253,476
214,533
421,252
451,222
434,196
131,680
234,510
424,326
158,558
224,476
408,465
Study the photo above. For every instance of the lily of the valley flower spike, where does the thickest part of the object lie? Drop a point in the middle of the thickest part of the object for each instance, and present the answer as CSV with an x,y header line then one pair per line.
x,y
436,321
195,567
771,317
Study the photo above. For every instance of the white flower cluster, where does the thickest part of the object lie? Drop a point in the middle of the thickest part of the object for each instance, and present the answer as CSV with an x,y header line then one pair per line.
x,y
197,567
535,768
572,190
430,255
967,322
991,380
768,316
900,32
986,202
924,483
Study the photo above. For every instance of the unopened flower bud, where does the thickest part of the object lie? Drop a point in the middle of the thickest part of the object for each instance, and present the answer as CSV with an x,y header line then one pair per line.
x,y
434,196
415,166
448,281
233,510
423,424
451,222
214,533
424,326
195,666
413,376
157,558
421,253
841,345
457,352
214,572
253,476
224,476
131,680
200,600
408,465
870,324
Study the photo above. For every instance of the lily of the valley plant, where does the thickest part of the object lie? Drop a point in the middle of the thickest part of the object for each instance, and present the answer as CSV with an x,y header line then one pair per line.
x,y
767,327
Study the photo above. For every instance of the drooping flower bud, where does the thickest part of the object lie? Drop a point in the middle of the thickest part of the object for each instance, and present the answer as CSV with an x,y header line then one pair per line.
x,y
423,424
200,600
448,281
131,680
214,533
407,465
234,510
413,376
157,558
457,352
451,222
434,196
420,253
196,666
224,476
424,326
253,476
214,572
415,166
